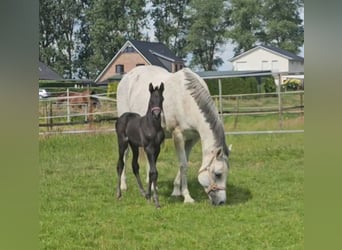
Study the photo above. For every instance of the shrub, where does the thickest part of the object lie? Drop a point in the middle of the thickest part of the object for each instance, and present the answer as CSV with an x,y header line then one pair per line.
x,y
112,88
269,85
292,84
231,86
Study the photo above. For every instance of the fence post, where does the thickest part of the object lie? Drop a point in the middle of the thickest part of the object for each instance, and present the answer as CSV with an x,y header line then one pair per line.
x,y
46,114
85,112
280,105
68,106
302,104
237,111
90,110
220,99
50,116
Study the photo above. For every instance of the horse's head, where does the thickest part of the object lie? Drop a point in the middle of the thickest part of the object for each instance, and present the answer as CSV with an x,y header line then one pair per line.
x,y
95,101
213,176
156,100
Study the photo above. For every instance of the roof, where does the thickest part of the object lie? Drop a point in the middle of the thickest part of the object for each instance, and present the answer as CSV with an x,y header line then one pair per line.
x,y
46,73
153,52
274,50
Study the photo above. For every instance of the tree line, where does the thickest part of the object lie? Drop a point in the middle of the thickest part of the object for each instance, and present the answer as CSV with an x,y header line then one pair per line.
x,y
79,37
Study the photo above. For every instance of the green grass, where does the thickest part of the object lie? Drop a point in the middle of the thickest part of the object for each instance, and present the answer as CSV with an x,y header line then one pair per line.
x,y
264,122
78,208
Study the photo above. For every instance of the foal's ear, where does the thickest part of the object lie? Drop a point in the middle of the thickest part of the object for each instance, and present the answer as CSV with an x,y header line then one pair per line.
x,y
150,87
161,88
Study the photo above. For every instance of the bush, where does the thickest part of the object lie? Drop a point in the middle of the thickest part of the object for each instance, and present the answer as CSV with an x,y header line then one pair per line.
x,y
64,83
269,85
55,84
232,86
292,84
112,88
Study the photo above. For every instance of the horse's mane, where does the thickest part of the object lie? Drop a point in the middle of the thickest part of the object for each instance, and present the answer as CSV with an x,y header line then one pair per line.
x,y
206,105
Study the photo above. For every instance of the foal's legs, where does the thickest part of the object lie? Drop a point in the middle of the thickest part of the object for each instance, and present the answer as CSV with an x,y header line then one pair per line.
x,y
123,144
152,153
135,166
123,175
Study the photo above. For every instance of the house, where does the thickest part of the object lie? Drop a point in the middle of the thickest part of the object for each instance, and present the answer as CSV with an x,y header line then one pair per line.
x,y
46,73
135,53
264,57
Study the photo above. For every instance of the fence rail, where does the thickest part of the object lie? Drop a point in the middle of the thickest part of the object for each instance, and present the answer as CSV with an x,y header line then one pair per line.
x,y
64,117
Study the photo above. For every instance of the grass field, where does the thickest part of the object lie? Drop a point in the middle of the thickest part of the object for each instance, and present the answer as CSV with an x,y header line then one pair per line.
x,y
78,208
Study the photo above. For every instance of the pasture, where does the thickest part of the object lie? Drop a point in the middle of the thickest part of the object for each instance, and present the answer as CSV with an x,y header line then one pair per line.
x,y
78,208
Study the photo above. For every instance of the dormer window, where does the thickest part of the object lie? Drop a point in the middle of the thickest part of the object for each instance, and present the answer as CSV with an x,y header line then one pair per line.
x,y
129,49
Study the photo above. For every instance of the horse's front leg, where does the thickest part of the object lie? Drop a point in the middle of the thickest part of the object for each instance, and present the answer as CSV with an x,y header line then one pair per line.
x,y
181,183
152,155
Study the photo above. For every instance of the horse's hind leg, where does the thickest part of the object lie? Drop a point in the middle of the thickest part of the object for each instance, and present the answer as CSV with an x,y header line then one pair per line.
x,y
123,145
135,166
123,185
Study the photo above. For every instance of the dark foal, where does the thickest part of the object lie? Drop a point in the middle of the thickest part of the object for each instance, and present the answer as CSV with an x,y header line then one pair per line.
x,y
142,131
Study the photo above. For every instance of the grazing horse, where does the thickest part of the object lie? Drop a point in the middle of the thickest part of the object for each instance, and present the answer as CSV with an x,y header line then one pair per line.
x,y
80,98
189,115
146,131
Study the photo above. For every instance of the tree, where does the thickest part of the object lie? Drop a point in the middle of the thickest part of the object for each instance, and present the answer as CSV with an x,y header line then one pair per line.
x,y
270,22
47,36
58,19
112,23
282,26
171,24
82,64
79,37
245,19
206,33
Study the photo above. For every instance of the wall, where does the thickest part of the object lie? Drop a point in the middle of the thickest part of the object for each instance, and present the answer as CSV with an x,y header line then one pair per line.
x,y
129,60
295,66
261,59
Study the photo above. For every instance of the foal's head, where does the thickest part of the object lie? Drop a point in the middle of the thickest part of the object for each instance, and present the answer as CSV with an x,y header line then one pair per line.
x,y
155,105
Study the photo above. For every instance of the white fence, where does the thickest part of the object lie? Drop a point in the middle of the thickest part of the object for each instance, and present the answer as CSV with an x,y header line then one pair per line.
x,y
55,117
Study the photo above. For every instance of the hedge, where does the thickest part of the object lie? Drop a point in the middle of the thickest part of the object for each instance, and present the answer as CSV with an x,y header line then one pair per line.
x,y
242,85
62,83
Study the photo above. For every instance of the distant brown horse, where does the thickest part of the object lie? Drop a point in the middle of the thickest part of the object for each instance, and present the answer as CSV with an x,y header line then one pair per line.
x,y
79,99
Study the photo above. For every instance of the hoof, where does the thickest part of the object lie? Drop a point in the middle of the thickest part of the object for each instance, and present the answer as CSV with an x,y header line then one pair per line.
x,y
176,192
123,186
188,200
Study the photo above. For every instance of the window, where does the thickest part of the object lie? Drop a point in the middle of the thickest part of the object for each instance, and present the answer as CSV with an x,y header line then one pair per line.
x,y
275,65
119,68
129,49
178,67
139,64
